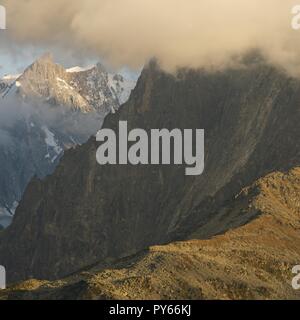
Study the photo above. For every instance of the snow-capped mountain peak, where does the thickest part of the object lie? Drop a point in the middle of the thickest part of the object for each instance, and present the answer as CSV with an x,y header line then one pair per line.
x,y
51,109
79,69
83,89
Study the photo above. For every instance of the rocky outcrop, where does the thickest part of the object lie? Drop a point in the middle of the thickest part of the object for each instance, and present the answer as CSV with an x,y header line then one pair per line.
x,y
48,81
86,213
254,261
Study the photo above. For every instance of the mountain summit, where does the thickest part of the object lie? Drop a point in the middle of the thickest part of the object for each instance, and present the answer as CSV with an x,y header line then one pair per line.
x,y
77,88
44,111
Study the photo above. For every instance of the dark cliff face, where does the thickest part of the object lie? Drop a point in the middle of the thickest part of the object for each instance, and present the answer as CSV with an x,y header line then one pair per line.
x,y
258,257
85,213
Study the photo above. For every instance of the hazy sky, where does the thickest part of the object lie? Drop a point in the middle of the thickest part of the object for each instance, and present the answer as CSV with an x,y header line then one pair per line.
x,y
196,33
11,64
17,57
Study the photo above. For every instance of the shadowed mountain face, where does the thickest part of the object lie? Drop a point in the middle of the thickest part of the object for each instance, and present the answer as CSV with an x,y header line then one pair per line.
x,y
253,261
85,213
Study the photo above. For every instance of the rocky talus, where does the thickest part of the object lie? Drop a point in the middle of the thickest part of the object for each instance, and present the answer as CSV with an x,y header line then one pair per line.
x,y
253,261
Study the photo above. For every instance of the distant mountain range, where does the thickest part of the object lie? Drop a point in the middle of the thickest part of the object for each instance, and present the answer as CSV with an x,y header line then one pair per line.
x,y
85,215
83,89
44,111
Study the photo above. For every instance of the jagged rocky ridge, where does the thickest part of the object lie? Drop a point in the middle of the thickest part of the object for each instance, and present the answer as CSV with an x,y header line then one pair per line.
x,y
253,261
77,88
85,213
45,111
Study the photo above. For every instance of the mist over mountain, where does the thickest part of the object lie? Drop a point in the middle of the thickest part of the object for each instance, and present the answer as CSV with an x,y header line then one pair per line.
x,y
44,111
205,33
85,213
